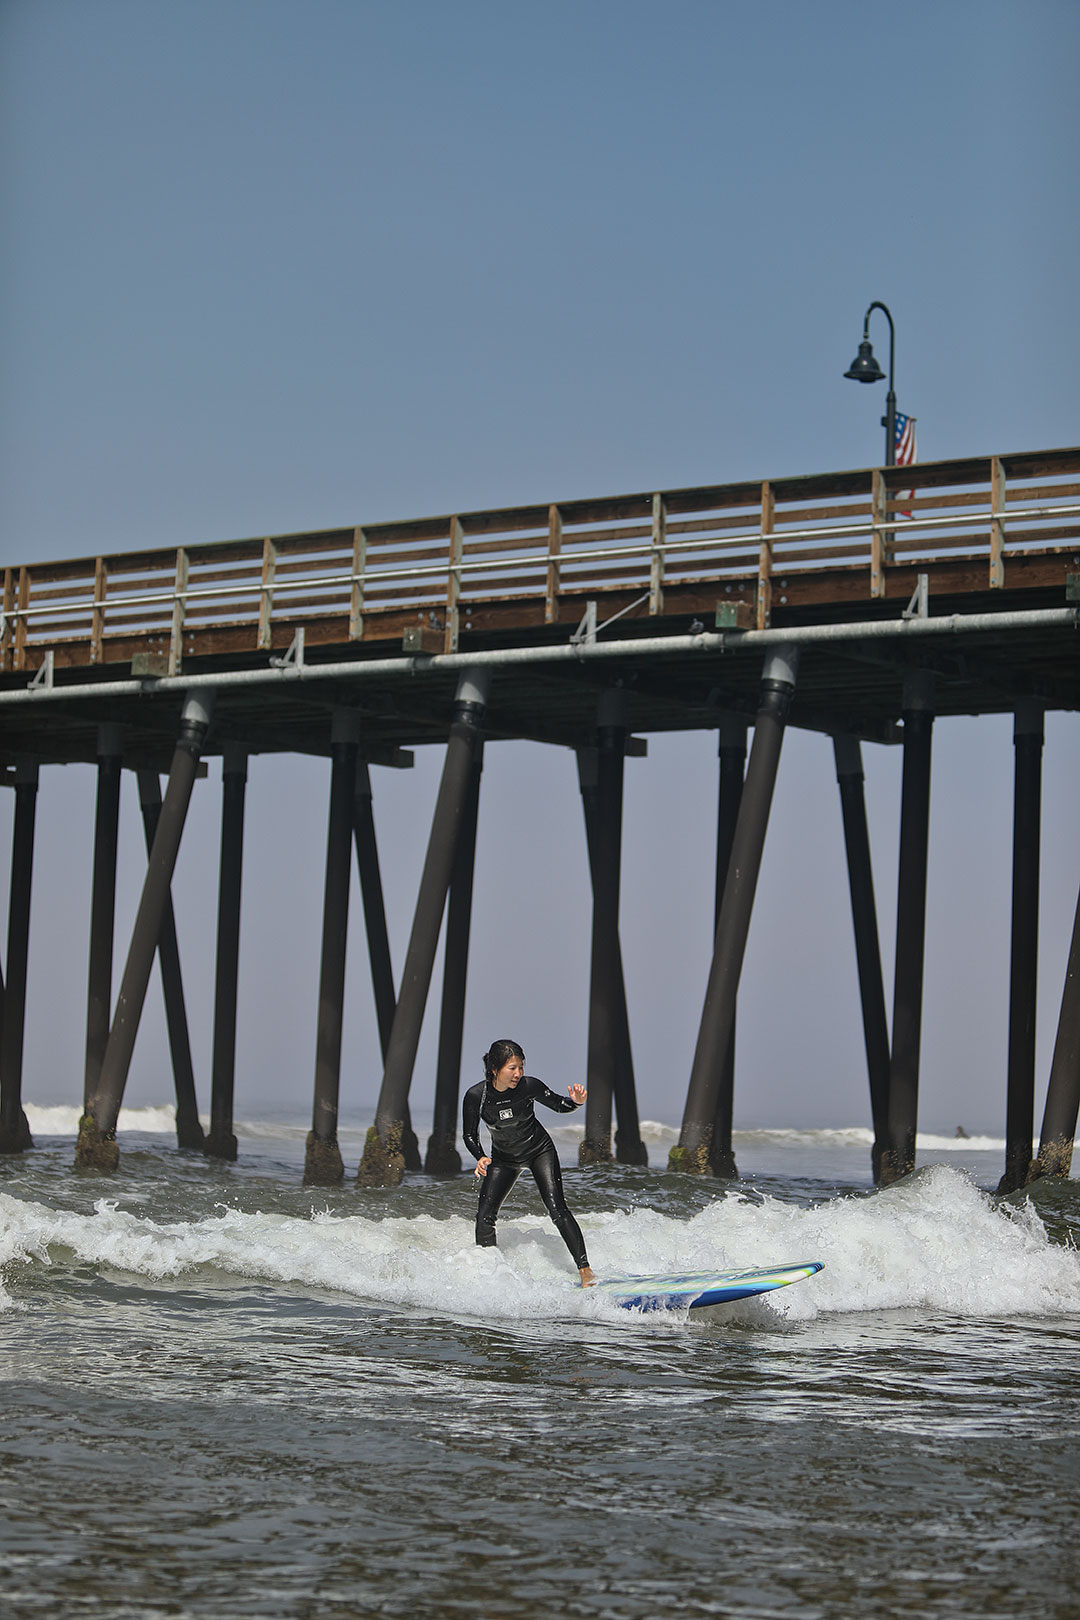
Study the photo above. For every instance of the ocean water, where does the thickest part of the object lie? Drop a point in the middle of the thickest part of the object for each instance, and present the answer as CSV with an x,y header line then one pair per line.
x,y
226,1395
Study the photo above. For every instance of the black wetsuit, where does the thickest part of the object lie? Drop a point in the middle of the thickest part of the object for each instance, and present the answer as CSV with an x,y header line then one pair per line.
x,y
518,1140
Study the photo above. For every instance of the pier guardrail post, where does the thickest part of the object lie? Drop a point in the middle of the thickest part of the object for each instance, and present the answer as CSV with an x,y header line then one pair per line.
x,y
383,1161
323,1165
96,1146
14,1128
693,1153
918,715
442,1157
1024,951
221,1141
851,782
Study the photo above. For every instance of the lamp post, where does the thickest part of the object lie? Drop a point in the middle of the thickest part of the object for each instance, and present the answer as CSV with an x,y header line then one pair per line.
x,y
864,368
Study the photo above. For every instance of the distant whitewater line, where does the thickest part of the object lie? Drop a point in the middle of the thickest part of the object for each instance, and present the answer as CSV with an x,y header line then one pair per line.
x,y
63,1120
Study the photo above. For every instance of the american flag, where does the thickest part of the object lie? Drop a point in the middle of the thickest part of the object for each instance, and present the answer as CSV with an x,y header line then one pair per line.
x,y
905,440
905,451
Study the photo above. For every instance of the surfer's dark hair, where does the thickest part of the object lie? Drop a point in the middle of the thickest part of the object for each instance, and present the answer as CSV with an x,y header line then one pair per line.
x,y
498,1054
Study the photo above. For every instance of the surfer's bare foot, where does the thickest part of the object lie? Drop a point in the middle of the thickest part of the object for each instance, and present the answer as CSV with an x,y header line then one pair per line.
x,y
587,1277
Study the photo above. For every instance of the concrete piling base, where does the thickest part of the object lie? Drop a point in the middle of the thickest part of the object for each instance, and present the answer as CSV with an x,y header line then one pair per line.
x,y
691,1161
383,1163
94,1151
16,1138
220,1145
442,1157
323,1165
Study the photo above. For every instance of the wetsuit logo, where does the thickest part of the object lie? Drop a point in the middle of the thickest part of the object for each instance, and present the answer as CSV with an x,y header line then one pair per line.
x,y
506,1113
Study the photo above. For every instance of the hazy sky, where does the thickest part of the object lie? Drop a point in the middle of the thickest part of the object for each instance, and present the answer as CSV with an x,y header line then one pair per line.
x,y
270,266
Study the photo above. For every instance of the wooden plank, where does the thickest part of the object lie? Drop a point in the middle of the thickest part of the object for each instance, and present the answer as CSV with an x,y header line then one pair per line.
x,y
78,627
934,503
585,538
157,621
453,586
879,542
745,523
528,579
997,525
765,558
1041,492
176,637
551,584
314,568
521,543
79,595
743,564
1038,537
343,564
58,573
266,594
656,555
244,579
784,556
973,543
356,594
812,517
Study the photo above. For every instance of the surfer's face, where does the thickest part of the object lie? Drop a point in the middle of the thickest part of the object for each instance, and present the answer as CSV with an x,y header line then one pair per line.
x,y
510,1073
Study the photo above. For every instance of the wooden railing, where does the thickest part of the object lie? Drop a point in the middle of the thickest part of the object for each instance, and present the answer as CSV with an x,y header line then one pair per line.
x,y
364,581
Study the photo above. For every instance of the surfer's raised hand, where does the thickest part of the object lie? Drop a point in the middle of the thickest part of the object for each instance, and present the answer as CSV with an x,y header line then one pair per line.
x,y
481,1167
577,1094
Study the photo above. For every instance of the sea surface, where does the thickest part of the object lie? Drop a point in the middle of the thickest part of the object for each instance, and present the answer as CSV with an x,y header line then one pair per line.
x,y
226,1395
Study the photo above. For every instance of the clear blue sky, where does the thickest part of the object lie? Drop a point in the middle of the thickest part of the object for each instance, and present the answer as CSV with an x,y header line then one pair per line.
x,y
270,266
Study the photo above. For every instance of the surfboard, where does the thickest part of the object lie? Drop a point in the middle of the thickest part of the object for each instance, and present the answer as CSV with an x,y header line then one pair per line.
x,y
691,1290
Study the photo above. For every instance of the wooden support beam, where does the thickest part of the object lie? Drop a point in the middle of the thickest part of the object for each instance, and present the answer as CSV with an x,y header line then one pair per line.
x,y
453,586
997,524
356,595
176,634
266,594
656,556
97,618
765,560
551,592
880,548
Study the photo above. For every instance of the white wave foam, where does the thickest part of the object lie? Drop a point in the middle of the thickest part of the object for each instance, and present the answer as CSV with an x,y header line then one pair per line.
x,y
62,1120
933,1242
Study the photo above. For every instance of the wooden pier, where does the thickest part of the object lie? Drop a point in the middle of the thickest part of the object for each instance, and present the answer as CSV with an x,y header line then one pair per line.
x,y
858,604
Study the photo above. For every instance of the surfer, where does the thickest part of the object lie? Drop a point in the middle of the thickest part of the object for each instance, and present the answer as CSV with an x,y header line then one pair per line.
x,y
504,1100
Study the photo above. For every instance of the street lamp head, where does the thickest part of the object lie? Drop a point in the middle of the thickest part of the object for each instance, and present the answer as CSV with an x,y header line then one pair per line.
x,y
864,368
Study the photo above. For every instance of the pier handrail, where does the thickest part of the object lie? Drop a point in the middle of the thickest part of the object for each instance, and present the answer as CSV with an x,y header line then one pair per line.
x,y
440,566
